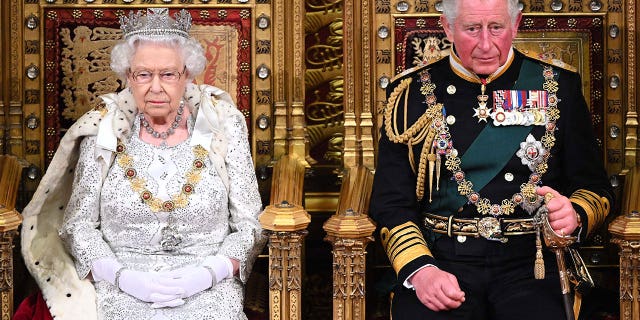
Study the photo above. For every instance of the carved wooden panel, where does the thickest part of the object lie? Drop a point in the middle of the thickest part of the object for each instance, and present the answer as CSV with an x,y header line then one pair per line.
x,y
67,62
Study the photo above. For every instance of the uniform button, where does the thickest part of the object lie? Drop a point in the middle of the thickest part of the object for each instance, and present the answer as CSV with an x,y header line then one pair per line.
x,y
450,119
451,89
460,209
461,239
508,176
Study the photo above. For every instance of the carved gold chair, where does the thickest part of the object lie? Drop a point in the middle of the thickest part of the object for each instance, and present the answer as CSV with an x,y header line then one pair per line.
x,y
10,219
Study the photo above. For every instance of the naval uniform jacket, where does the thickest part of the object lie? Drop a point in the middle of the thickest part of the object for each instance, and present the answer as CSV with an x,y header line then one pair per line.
x,y
575,167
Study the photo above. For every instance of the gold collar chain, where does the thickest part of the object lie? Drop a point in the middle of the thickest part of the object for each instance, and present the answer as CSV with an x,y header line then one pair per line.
x,y
139,184
527,197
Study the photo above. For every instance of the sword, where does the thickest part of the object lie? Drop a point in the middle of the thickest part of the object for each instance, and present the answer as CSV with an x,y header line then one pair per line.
x,y
558,244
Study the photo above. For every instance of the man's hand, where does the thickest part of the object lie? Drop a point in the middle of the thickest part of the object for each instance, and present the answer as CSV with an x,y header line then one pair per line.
x,y
562,217
436,289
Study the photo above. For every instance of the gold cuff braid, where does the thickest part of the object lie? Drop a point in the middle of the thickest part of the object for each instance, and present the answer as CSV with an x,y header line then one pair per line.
x,y
403,244
596,207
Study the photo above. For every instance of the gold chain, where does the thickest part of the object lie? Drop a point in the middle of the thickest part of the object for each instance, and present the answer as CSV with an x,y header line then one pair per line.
x,y
432,122
139,185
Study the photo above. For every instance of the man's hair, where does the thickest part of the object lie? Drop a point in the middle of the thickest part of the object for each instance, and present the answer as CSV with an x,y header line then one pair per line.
x,y
450,10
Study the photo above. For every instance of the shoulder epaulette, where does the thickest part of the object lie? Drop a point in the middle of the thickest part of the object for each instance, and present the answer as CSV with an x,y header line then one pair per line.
x,y
554,62
414,69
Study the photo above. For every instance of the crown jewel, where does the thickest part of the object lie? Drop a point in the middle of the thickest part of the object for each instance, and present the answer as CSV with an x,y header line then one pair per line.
x,y
156,23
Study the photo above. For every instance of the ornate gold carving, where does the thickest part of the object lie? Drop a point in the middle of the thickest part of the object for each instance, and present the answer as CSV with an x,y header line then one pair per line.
x,y
289,130
349,231
631,123
285,273
625,230
285,222
85,62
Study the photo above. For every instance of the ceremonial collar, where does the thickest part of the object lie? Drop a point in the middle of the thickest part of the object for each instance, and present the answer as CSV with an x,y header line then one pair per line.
x,y
456,66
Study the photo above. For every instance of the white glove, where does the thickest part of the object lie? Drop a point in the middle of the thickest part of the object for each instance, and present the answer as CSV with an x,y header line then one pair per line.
x,y
150,286
146,286
105,269
194,279
220,266
190,279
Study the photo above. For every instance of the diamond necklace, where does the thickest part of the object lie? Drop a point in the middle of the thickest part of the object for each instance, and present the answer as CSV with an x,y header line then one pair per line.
x,y
171,130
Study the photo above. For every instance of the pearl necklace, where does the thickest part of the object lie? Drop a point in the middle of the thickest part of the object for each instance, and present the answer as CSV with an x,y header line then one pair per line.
x,y
171,130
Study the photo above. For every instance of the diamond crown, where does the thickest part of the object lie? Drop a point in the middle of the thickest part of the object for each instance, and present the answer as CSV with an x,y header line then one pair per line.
x,y
156,23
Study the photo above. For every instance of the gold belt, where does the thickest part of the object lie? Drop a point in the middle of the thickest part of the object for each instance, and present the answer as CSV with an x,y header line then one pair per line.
x,y
490,228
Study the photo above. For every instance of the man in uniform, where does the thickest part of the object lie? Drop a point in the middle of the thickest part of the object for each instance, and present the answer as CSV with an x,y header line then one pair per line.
x,y
470,147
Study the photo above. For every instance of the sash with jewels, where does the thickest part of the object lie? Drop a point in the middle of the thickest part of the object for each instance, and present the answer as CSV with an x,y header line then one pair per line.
x,y
520,107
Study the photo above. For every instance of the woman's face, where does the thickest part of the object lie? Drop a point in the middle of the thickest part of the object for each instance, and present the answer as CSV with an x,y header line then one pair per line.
x,y
157,80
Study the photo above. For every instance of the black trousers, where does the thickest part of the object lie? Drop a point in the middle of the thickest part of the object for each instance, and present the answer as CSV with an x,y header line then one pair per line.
x,y
497,279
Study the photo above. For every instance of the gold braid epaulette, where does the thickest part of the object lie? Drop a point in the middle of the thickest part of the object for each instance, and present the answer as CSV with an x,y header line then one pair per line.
x,y
595,206
420,131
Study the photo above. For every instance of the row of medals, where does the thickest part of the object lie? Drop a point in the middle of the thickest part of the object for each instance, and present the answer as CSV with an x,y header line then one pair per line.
x,y
514,117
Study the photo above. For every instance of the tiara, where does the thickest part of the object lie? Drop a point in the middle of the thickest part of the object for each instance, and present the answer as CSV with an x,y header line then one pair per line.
x,y
156,23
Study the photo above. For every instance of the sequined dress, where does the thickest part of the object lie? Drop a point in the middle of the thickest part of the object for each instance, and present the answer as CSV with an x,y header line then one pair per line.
x,y
112,221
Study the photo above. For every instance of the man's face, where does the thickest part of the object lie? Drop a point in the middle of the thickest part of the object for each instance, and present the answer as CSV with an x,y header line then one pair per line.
x,y
482,34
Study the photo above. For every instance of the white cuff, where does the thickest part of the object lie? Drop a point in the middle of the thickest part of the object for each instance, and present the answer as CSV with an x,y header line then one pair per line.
x,y
407,284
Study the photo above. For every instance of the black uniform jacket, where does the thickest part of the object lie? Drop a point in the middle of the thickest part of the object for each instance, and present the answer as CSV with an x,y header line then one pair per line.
x,y
575,168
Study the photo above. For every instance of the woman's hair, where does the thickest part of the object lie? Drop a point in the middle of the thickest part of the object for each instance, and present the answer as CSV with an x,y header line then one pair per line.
x,y
450,10
190,49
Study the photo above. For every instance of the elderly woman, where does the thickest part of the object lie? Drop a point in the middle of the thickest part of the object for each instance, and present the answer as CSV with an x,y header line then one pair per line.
x,y
161,220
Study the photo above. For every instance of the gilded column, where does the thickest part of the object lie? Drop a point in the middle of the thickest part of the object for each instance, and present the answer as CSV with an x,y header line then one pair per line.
x,y
289,70
358,125
349,231
285,224
625,232
10,219
6,270
631,117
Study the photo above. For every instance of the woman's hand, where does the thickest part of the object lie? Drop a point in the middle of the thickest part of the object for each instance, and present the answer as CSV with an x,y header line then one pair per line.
x,y
195,279
150,287
436,289
145,286
562,217
192,280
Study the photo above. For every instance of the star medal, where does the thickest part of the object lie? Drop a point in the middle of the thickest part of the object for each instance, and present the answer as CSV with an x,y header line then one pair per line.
x,y
531,152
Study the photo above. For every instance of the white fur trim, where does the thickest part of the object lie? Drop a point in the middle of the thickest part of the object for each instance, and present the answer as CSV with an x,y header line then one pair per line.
x,y
66,295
